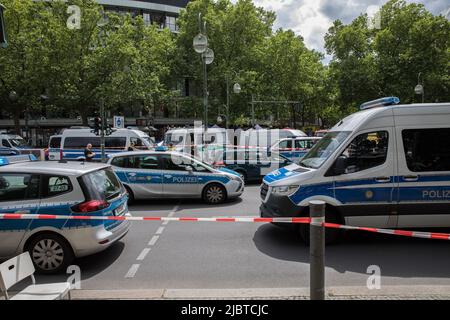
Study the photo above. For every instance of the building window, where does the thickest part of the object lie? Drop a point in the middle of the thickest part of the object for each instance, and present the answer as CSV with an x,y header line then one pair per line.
x,y
171,23
158,19
147,19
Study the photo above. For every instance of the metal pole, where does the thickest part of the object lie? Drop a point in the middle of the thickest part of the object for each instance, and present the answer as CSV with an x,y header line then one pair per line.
x,y
228,104
205,93
102,130
253,111
317,250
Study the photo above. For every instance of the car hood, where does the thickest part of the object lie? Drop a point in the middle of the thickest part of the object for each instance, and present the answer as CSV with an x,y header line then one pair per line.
x,y
290,174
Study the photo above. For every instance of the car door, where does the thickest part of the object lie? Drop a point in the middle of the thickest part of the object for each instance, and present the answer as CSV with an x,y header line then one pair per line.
x,y
366,188
143,174
19,194
424,175
178,180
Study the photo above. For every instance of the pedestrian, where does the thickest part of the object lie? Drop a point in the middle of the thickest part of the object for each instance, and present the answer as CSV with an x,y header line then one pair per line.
x,y
88,153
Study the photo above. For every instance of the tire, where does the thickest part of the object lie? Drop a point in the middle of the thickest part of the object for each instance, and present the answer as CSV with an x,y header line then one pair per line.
x,y
131,198
214,194
331,235
50,253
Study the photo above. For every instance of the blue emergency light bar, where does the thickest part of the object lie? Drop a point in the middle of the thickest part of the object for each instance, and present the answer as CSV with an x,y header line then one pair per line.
x,y
16,159
383,102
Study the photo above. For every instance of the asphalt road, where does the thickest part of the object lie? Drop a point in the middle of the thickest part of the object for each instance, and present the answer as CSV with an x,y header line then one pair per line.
x,y
190,255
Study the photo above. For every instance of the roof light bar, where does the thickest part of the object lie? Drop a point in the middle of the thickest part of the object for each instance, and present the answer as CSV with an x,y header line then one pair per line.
x,y
16,159
383,102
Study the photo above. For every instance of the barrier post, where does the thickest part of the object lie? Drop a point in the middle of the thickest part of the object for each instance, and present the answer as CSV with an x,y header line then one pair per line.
x,y
317,250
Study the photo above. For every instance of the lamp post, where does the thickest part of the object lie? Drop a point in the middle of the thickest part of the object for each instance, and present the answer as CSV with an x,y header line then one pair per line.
x,y
201,46
3,40
419,88
236,89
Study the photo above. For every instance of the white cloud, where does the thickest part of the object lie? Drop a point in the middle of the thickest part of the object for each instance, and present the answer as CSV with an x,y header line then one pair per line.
x,y
312,18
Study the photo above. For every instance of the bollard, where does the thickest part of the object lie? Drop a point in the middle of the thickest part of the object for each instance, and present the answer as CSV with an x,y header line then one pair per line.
x,y
317,250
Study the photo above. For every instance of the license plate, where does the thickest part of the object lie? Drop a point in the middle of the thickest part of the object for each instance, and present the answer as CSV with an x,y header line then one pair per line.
x,y
120,210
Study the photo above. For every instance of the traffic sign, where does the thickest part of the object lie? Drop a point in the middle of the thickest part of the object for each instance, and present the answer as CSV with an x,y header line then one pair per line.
x,y
119,122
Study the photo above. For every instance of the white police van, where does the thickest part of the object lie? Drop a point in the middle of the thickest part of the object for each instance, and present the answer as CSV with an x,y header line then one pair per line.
x,y
294,148
71,143
13,142
39,187
387,165
148,175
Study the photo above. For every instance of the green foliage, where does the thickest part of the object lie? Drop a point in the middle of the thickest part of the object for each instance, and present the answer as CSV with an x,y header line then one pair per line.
x,y
369,63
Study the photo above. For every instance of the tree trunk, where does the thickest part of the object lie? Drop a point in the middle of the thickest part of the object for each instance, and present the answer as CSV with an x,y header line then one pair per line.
x,y
17,121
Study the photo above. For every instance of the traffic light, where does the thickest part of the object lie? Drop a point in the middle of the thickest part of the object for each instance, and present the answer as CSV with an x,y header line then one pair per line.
x,y
3,40
97,125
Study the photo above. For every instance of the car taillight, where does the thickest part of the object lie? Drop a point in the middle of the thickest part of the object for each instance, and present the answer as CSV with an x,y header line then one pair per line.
x,y
219,164
90,206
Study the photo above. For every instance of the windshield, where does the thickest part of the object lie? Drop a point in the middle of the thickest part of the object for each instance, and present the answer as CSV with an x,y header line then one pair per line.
x,y
324,149
101,185
18,142
174,138
148,141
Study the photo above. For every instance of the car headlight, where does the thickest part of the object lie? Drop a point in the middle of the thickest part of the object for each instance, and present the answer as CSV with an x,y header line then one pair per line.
x,y
285,190
236,178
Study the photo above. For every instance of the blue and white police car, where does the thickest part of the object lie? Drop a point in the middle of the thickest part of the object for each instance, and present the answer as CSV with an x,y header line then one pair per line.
x,y
153,174
59,188
386,166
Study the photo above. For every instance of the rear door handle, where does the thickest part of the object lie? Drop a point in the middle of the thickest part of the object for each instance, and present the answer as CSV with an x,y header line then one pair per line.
x,y
383,179
410,178
22,212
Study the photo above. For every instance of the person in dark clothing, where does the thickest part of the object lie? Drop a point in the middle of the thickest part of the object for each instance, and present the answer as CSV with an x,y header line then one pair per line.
x,y
88,154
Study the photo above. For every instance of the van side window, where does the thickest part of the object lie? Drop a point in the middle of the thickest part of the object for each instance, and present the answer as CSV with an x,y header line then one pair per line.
x,y
5,143
115,142
368,150
55,143
18,187
427,149
285,144
81,142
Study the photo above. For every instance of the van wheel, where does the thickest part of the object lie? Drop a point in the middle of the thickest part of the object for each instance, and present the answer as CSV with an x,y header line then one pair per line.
x,y
131,199
214,194
331,235
50,253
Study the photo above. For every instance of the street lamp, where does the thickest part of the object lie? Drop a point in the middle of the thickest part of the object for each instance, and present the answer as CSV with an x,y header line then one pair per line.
x,y
236,89
419,88
201,46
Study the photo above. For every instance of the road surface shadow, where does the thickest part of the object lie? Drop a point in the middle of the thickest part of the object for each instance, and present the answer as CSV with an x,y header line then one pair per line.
x,y
396,255
168,204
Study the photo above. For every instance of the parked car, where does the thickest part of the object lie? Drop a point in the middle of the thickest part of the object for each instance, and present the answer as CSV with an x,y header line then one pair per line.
x,y
153,175
56,188
251,164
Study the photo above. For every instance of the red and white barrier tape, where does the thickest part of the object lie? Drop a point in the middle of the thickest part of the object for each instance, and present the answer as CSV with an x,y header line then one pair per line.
x,y
414,234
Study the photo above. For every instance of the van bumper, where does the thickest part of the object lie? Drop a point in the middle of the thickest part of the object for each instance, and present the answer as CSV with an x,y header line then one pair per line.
x,y
280,206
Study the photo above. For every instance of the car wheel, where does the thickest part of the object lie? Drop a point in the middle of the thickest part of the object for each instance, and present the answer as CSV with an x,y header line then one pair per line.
x,y
131,199
331,235
214,194
50,253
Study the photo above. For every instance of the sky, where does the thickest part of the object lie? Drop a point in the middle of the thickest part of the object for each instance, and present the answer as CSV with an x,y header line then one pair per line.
x,y
312,18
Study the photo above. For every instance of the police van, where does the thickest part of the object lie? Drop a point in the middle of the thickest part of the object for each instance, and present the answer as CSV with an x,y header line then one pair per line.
x,y
150,175
56,188
387,165
13,142
71,143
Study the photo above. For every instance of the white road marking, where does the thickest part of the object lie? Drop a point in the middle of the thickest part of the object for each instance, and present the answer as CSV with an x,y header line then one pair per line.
x,y
132,272
160,230
153,240
143,254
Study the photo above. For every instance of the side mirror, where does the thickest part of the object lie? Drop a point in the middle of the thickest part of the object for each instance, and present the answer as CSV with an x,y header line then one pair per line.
x,y
189,169
340,165
3,40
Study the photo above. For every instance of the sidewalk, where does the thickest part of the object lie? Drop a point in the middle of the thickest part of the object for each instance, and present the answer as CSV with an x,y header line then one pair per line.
x,y
332,293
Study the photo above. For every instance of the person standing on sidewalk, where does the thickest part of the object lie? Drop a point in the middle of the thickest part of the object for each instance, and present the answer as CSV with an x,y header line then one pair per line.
x,y
88,153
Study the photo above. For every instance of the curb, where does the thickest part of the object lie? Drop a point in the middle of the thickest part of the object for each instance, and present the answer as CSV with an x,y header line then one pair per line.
x,y
332,293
